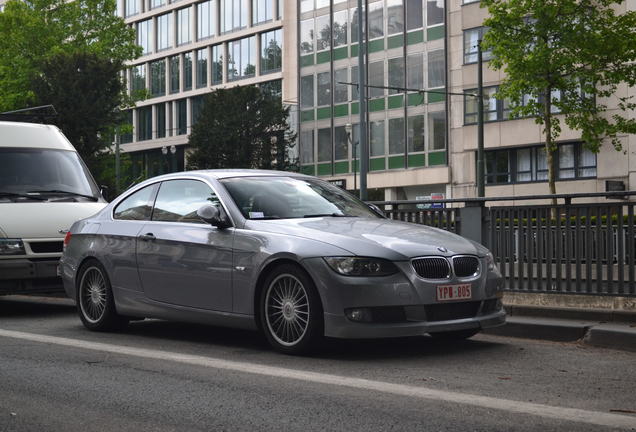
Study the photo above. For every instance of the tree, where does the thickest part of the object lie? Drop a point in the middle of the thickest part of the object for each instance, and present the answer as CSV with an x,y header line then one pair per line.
x,y
34,31
87,92
235,130
565,59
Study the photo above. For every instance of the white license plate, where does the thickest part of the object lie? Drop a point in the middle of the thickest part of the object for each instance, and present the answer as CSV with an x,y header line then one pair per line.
x,y
454,292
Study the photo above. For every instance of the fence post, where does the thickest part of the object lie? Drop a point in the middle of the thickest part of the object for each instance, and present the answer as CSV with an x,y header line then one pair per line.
x,y
474,222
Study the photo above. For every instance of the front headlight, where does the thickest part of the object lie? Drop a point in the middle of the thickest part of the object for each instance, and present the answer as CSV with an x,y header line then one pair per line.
x,y
11,247
490,262
361,266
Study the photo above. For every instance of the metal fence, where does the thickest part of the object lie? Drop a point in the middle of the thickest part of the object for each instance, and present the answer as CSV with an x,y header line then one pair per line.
x,y
585,248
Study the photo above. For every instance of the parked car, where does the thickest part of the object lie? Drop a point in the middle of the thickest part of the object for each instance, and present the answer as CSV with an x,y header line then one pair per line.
x,y
44,188
289,254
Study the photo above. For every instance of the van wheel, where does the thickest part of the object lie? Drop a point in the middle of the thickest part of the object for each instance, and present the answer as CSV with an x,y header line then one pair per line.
x,y
95,301
291,311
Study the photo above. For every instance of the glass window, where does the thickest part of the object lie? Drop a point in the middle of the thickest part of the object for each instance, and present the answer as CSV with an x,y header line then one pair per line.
x,y
396,74
437,130
196,104
471,37
324,88
586,162
354,80
274,88
414,14
396,136
323,33
434,12
271,51
493,108
307,147
132,7
138,77
187,71
340,28
376,20
160,110
233,15
394,17
205,19
497,166
415,71
306,5
566,161
157,3
524,165
415,132
376,138
174,74
182,117
202,68
542,164
144,35
307,36
144,123
341,91
242,61
307,91
164,31
183,26
127,137
217,64
353,15
137,206
179,200
324,145
261,11
341,143
158,78
322,4
376,78
436,69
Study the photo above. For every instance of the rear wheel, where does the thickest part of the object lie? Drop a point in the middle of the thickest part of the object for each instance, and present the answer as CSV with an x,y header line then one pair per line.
x,y
95,302
456,334
290,311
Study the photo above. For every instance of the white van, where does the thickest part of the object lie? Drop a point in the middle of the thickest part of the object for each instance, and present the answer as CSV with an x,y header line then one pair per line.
x,y
44,188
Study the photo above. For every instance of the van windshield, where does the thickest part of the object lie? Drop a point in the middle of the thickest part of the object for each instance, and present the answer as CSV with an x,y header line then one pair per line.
x,y
44,171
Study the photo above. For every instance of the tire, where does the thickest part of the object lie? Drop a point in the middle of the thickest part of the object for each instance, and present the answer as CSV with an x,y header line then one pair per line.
x,y
291,315
455,335
95,301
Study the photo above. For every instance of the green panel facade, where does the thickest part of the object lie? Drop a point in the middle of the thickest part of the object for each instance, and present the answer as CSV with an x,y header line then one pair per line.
x,y
435,33
377,164
341,167
307,115
323,113
396,101
307,60
341,110
308,169
417,160
437,158
376,105
396,162
395,41
324,169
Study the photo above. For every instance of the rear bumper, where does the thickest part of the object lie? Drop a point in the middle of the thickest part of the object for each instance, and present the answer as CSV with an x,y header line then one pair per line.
x,y
338,326
25,276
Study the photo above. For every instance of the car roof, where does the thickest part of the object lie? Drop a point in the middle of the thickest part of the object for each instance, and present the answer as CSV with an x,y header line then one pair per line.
x,y
220,174
32,135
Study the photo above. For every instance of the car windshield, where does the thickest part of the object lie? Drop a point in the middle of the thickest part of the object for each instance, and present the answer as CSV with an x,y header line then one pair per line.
x,y
29,171
292,197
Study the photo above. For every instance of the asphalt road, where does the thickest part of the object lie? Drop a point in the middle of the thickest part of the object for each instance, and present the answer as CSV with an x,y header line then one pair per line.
x,y
162,376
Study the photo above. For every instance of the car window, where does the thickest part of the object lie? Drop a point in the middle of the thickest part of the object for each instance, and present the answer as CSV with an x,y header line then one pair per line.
x,y
137,206
179,200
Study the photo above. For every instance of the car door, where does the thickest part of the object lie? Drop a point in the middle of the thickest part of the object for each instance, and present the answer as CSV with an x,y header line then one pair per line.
x,y
181,259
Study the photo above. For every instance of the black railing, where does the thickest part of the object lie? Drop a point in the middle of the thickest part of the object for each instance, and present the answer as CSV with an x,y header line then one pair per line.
x,y
585,248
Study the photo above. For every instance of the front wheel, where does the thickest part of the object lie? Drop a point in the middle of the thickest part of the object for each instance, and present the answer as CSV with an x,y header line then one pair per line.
x,y
456,334
291,311
95,302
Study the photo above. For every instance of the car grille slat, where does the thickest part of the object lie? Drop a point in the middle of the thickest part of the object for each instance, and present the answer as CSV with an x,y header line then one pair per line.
x,y
432,268
465,266
46,247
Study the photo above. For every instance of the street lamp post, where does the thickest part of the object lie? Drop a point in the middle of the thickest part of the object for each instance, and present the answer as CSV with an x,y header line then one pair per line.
x,y
348,129
480,123
164,151
273,150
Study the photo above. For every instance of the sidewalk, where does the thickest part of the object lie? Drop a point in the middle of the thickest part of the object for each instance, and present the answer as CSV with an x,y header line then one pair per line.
x,y
609,329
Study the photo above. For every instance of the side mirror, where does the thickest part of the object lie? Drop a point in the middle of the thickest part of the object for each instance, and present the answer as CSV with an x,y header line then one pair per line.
x,y
104,192
213,215
375,209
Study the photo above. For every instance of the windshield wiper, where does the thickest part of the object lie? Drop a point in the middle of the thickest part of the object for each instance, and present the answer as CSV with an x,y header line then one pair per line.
x,y
326,215
64,192
21,195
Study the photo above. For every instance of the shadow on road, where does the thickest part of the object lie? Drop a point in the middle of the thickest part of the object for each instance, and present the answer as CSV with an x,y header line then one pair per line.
x,y
25,306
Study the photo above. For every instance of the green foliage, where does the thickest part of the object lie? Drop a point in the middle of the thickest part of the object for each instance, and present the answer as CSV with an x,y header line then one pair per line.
x,y
87,92
104,171
235,130
583,49
35,31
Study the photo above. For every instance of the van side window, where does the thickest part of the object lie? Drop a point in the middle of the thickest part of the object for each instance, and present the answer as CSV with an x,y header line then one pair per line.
x,y
179,200
137,206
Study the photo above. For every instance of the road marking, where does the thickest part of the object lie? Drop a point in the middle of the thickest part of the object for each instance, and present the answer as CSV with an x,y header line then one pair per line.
x,y
559,413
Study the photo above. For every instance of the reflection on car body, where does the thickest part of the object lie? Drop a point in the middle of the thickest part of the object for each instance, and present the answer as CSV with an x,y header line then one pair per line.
x,y
288,254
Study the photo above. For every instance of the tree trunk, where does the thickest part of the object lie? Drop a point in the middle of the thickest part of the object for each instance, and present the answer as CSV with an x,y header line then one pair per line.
x,y
549,146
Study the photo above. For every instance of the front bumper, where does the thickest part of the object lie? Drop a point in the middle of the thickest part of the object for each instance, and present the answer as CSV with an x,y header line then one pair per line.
x,y
27,276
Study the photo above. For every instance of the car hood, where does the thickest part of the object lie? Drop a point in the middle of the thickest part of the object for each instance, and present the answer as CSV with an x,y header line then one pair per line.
x,y
384,238
42,220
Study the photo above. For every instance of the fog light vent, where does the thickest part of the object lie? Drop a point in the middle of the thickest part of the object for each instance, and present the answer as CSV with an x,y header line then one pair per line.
x,y
359,314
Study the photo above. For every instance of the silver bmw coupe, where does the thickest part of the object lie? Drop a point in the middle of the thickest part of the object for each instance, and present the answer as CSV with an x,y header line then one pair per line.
x,y
290,255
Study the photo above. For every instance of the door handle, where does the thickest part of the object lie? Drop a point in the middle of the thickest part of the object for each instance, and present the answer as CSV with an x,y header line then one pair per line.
x,y
147,236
